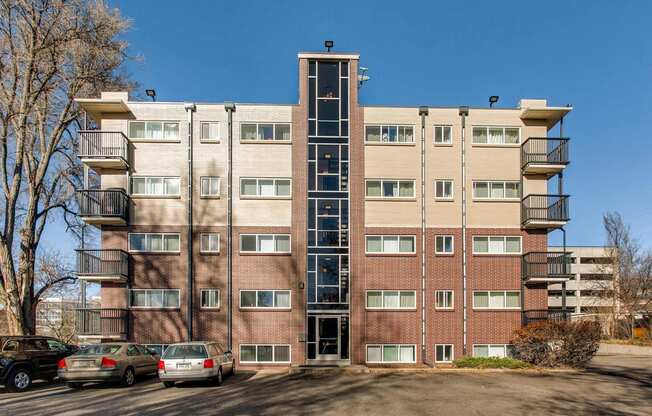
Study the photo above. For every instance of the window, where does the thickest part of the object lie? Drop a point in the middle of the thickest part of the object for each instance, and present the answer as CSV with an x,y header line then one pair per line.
x,y
444,299
444,244
391,299
155,298
496,135
210,186
443,135
264,353
444,189
392,134
210,298
496,245
265,243
159,349
265,132
154,130
443,353
210,131
155,186
497,299
154,242
595,260
383,188
493,350
391,353
389,244
269,299
265,187
496,190
209,243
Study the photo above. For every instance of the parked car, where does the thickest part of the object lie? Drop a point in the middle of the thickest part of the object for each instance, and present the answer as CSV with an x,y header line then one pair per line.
x,y
195,361
116,361
25,358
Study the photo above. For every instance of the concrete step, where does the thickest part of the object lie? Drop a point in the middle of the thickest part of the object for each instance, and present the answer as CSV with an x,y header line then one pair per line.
x,y
328,370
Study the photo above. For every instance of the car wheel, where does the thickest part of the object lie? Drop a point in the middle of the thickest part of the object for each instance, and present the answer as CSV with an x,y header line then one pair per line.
x,y
168,384
219,379
129,377
19,380
73,385
233,368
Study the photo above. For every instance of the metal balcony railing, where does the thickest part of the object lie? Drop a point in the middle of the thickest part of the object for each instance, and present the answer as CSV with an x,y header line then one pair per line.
x,y
542,315
546,265
542,208
98,144
102,322
544,151
111,262
103,203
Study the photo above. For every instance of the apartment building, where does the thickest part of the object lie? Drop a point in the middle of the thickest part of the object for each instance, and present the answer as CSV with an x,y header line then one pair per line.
x,y
591,276
323,231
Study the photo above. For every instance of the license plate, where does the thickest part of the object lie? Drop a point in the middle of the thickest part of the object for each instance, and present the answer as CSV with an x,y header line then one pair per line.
x,y
81,364
183,365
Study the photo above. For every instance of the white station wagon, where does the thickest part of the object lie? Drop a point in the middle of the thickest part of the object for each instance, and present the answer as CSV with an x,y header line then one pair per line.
x,y
192,361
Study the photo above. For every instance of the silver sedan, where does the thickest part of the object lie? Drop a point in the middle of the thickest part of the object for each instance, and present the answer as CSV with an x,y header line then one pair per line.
x,y
195,361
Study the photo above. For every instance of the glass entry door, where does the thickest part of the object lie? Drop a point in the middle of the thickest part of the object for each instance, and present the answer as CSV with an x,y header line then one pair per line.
x,y
328,338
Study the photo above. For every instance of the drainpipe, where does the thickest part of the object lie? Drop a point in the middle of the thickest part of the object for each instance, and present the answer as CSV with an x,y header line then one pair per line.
x,y
560,191
190,108
230,109
464,112
423,113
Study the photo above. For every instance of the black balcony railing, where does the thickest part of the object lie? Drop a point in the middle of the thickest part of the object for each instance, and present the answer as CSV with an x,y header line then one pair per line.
x,y
542,315
103,263
97,144
544,208
544,151
546,265
102,322
103,203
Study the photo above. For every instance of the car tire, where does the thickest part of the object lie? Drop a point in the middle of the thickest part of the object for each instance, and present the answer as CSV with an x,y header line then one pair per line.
x,y
233,368
74,385
128,378
20,379
168,384
219,378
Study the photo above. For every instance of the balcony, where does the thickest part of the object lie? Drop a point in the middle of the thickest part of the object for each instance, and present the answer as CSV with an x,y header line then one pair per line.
x,y
544,211
104,149
103,323
543,315
544,156
103,265
103,206
544,267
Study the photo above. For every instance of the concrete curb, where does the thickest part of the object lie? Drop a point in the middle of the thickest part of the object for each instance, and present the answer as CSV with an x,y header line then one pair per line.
x,y
328,371
606,348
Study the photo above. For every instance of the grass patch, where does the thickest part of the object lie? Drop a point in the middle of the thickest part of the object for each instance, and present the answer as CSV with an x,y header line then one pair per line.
x,y
490,362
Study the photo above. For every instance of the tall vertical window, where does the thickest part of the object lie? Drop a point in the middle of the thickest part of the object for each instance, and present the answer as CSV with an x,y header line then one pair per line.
x,y
210,131
444,189
443,135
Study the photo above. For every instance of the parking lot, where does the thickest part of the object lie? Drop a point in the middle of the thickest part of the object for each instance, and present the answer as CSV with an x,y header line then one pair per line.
x,y
614,385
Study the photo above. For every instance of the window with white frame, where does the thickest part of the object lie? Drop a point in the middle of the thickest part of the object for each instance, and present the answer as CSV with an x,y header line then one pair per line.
x,y
209,243
499,244
391,134
264,243
155,185
157,348
390,188
443,353
210,131
444,244
265,187
265,132
496,135
493,350
154,130
155,298
262,353
443,135
496,190
497,299
444,189
265,299
391,299
210,298
391,244
444,299
391,353
210,186
154,242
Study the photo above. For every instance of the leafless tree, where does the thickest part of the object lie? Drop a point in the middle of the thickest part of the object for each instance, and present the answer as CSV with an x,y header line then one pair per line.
x,y
51,51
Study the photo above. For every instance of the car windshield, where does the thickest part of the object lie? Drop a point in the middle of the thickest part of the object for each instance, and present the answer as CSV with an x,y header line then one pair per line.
x,y
99,349
185,351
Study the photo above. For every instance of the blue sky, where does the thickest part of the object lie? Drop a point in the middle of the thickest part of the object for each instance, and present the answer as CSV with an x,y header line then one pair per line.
x,y
595,55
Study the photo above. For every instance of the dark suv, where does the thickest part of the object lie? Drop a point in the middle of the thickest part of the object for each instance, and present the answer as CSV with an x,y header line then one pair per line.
x,y
24,358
